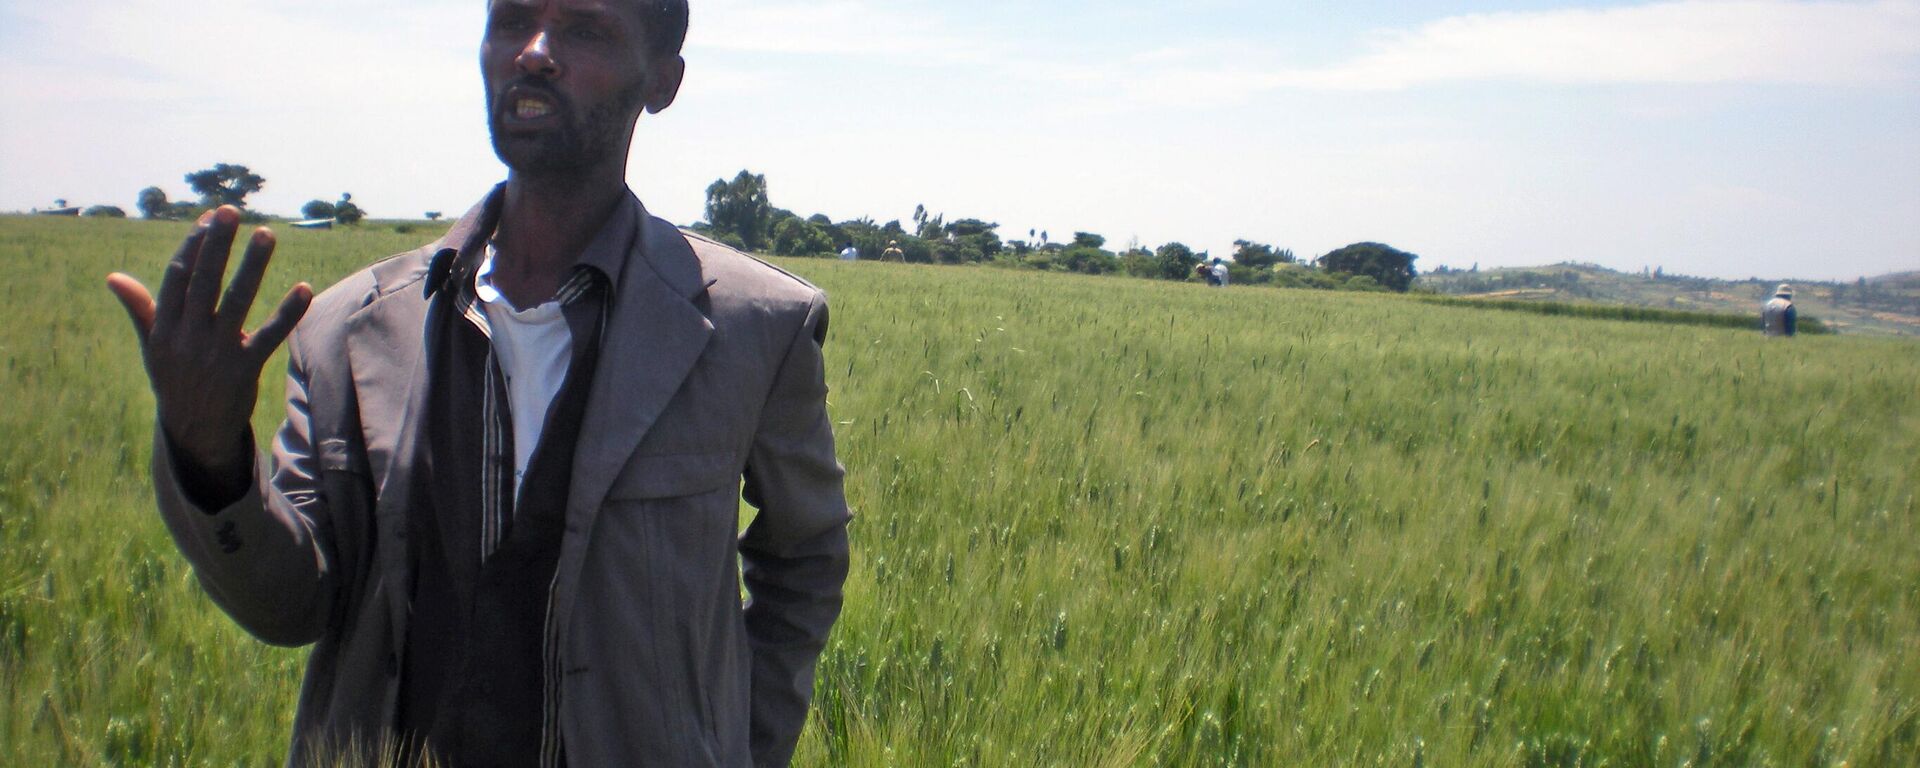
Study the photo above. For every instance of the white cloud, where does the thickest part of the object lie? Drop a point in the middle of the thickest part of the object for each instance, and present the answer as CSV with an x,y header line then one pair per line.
x,y
1684,42
1681,42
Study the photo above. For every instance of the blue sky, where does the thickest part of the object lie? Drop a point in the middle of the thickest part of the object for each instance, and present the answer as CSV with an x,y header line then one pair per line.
x,y
1723,137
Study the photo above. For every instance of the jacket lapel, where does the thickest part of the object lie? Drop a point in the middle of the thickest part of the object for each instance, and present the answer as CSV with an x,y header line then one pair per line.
x,y
387,351
653,337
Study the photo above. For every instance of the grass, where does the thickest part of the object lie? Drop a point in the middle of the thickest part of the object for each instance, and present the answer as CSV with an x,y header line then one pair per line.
x,y
1111,522
1806,325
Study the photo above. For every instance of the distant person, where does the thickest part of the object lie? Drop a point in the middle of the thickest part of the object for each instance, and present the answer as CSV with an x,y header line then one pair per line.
x,y
1219,274
893,252
1201,271
849,253
1779,317
503,505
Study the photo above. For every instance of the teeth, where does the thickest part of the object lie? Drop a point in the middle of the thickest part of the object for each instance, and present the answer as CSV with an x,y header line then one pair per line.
x,y
531,108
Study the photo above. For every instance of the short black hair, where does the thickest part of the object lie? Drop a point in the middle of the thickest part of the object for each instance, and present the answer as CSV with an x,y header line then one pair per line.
x,y
666,25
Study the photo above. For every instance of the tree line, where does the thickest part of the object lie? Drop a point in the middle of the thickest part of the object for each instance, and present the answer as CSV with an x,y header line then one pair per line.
x,y
741,213
230,184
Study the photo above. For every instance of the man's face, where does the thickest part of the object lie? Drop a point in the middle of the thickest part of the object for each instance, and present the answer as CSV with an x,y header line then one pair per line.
x,y
566,79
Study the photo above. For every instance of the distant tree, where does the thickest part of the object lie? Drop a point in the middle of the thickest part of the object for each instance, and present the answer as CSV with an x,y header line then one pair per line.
x,y
346,212
225,184
1387,266
317,209
1259,255
1083,257
927,225
1139,262
1241,274
1088,240
1176,261
969,240
924,223
869,238
794,236
107,212
835,232
433,215
1303,276
741,208
154,204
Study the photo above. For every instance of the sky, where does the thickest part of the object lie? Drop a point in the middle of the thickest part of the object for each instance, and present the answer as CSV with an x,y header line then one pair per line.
x,y
1727,138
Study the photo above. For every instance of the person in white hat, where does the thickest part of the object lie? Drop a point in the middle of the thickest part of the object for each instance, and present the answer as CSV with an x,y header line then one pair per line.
x,y
1779,317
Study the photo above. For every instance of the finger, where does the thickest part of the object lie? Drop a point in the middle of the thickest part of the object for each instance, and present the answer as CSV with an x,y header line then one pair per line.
x,y
211,264
173,285
137,300
265,340
238,300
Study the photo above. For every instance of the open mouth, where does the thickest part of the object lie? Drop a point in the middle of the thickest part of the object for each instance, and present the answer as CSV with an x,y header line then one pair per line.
x,y
531,108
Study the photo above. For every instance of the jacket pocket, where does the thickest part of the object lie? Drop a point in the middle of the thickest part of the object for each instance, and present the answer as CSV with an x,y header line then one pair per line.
x,y
670,475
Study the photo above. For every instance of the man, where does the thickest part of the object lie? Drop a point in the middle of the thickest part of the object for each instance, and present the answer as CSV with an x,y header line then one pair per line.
x,y
1220,275
849,253
1779,317
893,252
504,501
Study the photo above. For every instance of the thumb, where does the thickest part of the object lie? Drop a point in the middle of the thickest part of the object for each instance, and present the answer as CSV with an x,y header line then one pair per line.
x,y
137,301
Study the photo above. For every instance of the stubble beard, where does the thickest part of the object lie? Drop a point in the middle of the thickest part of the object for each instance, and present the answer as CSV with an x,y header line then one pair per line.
x,y
579,144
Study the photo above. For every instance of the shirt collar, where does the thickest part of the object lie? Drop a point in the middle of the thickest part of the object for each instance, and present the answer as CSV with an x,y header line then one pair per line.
x,y
466,244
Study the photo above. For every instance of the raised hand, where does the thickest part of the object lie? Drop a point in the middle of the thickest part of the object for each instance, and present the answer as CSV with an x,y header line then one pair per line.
x,y
203,366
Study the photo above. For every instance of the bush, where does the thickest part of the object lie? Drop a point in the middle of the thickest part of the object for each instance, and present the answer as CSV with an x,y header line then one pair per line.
x,y
1297,276
106,212
317,209
1247,274
798,237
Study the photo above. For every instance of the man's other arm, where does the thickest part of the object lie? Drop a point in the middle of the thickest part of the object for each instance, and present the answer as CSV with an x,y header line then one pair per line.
x,y
794,554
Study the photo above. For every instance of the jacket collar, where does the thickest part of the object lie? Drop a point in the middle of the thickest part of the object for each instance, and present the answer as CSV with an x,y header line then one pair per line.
x,y
459,251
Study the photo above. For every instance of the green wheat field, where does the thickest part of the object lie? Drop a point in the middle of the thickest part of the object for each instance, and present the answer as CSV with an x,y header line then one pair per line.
x,y
1114,522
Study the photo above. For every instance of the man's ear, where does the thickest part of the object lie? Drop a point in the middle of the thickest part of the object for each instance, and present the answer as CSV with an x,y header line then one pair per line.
x,y
668,72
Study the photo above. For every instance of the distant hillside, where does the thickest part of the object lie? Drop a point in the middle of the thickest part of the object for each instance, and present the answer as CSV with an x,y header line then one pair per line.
x,y
1904,281
1885,305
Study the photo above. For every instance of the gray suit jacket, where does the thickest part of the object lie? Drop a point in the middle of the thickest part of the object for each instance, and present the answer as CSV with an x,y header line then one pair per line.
x,y
710,384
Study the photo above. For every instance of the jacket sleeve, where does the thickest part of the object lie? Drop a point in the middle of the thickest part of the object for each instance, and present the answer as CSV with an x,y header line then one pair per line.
x,y
262,559
794,554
